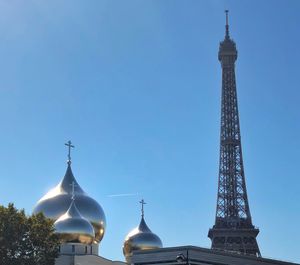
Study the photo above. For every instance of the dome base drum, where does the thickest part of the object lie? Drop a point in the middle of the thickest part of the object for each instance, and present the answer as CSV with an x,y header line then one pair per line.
x,y
78,249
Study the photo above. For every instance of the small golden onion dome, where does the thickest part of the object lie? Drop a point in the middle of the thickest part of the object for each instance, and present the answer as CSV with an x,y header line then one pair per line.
x,y
140,238
72,227
57,201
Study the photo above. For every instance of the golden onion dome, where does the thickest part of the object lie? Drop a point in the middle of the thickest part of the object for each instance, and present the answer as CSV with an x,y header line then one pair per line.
x,y
57,201
72,227
140,238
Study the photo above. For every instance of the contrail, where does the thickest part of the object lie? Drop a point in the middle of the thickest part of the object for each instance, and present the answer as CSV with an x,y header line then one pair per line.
x,y
122,195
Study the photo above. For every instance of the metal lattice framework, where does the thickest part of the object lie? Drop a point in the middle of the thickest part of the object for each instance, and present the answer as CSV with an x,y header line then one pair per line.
x,y
233,229
232,200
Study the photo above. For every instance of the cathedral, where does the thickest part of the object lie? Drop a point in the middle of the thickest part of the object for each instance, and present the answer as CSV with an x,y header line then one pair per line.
x,y
80,220
80,223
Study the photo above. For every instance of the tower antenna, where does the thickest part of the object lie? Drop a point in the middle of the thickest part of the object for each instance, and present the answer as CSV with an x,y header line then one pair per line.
x,y
227,24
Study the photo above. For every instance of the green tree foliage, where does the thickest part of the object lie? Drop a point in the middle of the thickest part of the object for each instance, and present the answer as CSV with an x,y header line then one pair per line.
x,y
26,240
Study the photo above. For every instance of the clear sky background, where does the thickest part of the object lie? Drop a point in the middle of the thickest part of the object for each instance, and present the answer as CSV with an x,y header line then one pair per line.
x,y
136,86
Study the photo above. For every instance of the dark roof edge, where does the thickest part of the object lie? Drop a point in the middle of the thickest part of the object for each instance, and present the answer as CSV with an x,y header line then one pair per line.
x,y
214,251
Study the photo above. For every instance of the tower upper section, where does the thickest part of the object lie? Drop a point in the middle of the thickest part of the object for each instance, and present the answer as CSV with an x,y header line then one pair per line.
x,y
227,51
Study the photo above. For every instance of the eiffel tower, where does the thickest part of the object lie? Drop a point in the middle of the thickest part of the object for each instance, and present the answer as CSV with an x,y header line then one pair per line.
x,y
233,229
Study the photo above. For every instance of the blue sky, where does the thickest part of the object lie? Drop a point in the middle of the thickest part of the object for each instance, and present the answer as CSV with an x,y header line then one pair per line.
x,y
136,86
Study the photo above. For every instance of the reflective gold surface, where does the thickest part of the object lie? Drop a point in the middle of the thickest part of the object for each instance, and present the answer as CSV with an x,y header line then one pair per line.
x,y
57,201
72,227
140,238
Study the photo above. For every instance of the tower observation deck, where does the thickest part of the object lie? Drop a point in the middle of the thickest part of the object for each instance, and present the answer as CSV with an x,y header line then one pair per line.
x,y
233,229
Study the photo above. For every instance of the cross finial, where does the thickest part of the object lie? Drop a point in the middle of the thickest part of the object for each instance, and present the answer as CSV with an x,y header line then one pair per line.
x,y
227,24
73,190
69,144
142,202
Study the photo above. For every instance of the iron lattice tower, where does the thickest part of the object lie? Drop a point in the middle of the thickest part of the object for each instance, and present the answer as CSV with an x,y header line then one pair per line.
x,y
233,229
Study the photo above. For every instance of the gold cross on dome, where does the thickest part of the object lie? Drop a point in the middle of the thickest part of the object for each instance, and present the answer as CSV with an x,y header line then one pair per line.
x,y
142,202
69,144
73,190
